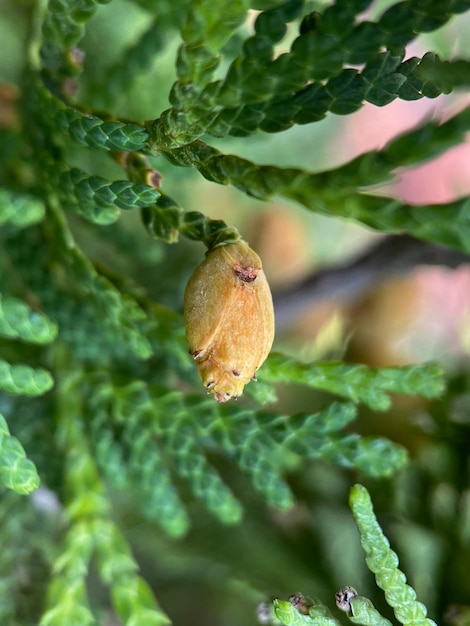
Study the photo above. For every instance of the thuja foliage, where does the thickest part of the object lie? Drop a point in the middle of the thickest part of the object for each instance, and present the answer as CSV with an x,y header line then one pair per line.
x,y
383,562
100,402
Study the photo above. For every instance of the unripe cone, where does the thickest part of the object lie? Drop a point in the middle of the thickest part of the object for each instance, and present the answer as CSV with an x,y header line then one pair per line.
x,y
229,317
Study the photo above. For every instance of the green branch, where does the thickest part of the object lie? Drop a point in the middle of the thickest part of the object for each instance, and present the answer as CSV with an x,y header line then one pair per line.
x,y
19,321
383,562
23,379
358,382
84,129
63,28
445,224
262,90
17,472
20,210
99,199
91,532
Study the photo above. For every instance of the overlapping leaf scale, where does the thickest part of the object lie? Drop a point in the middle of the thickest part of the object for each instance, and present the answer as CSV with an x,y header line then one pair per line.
x,y
260,458
415,146
196,102
98,320
68,602
289,615
449,74
213,28
182,440
17,472
253,76
92,131
161,502
165,332
148,469
364,612
204,32
67,599
383,79
383,562
108,326
373,456
62,29
260,91
357,382
306,433
361,40
131,595
150,420
91,533
191,463
113,317
259,440
163,219
119,321
141,421
196,226
98,390
82,128
20,210
134,457
98,199
135,603
316,436
420,144
262,473
166,220
23,379
446,224
402,21
19,321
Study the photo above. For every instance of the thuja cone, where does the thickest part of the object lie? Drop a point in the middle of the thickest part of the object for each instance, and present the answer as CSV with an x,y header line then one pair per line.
x,y
229,317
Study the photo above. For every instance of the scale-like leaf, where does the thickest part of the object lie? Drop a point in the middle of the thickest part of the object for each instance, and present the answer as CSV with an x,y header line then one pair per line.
x,y
23,379
20,210
62,29
19,321
383,562
17,472
289,615
358,382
